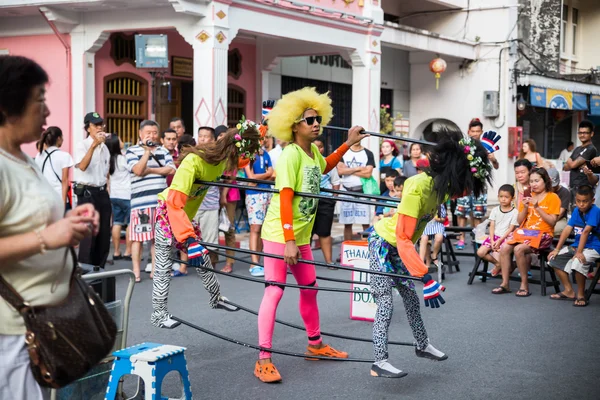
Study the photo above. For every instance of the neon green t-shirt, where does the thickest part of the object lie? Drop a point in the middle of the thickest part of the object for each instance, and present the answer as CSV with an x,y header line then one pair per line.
x,y
418,201
193,168
295,170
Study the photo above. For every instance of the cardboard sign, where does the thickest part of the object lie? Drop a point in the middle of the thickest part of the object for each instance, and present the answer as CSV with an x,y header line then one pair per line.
x,y
356,254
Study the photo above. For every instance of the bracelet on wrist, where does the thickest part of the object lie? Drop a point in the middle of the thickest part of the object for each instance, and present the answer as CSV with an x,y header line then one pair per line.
x,y
43,247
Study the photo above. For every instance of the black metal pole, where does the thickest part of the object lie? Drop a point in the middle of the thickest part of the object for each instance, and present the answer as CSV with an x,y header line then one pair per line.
x,y
383,135
332,191
303,194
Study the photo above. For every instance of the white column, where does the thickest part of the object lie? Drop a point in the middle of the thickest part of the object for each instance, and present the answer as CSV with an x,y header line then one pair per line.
x,y
366,86
83,78
210,40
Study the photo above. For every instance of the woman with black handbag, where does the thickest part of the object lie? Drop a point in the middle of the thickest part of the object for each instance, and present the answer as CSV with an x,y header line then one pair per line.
x,y
35,264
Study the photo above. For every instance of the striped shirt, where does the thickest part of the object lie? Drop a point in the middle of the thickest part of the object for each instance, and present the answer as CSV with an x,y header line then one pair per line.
x,y
145,189
211,200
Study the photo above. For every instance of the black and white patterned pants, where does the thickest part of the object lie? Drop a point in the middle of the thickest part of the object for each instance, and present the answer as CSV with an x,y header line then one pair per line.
x,y
381,289
162,278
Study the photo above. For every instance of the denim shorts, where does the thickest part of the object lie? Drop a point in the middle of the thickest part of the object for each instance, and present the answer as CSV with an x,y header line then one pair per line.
x,y
121,211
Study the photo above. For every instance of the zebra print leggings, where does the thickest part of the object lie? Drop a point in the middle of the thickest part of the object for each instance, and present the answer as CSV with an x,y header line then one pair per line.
x,y
381,288
162,278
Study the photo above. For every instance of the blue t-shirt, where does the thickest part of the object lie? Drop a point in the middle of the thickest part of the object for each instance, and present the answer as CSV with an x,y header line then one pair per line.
x,y
394,164
379,210
592,218
260,166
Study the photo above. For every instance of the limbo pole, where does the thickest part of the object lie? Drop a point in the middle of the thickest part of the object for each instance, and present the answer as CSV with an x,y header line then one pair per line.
x,y
332,191
303,194
383,135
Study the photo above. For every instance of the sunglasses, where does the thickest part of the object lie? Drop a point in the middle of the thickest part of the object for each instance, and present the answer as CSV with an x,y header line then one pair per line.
x,y
311,120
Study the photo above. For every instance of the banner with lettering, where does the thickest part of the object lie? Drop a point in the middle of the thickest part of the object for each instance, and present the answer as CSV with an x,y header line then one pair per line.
x,y
362,305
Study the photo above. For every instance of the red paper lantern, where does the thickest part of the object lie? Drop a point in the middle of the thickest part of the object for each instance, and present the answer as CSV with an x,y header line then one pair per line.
x,y
437,66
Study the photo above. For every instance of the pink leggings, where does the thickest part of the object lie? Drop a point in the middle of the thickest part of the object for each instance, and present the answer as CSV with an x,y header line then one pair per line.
x,y
276,271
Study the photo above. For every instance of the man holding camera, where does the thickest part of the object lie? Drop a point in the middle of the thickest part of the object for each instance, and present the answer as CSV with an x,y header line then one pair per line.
x,y
92,162
149,164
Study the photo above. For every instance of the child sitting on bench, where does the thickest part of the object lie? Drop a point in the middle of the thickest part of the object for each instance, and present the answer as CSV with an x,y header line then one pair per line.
x,y
503,220
585,221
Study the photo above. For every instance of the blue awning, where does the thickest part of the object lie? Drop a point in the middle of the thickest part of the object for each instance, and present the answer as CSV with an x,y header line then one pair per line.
x,y
595,104
557,99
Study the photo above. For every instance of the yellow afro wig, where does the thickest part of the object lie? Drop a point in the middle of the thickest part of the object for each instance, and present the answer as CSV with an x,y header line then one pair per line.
x,y
289,110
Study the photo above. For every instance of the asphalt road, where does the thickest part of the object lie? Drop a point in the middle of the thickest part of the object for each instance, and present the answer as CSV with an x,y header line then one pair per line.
x,y
499,347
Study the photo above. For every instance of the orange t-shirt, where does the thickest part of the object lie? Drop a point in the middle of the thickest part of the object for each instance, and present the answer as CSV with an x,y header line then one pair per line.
x,y
551,205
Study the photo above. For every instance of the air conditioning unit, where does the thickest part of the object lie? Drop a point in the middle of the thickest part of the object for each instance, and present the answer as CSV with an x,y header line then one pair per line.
x,y
490,104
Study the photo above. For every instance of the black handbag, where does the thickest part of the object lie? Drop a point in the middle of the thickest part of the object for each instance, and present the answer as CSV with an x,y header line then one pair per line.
x,y
67,339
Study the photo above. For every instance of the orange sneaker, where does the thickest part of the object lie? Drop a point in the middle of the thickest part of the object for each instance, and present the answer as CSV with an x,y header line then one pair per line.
x,y
325,351
267,372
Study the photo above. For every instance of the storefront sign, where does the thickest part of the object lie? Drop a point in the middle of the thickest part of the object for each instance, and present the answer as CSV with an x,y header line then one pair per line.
x,y
594,104
557,99
356,254
330,61
182,67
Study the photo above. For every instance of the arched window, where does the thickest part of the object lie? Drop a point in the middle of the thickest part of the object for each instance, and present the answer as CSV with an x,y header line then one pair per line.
x,y
236,104
125,105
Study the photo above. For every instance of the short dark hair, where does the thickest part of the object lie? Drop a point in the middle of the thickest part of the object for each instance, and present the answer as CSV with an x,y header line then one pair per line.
x,y
185,140
570,144
164,133
508,189
399,181
18,76
585,190
178,119
541,171
475,122
587,124
220,129
392,173
523,162
208,128
148,122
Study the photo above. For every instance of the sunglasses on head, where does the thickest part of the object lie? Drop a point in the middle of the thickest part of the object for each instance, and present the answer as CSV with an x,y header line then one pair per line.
x,y
311,120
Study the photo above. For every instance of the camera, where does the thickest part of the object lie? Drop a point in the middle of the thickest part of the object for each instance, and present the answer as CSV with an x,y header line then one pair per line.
x,y
150,143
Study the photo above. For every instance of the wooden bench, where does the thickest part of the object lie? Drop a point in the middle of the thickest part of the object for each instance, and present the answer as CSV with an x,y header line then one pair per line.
x,y
543,268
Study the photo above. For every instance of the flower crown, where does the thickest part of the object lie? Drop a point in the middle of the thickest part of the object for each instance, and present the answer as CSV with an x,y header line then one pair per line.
x,y
479,168
241,143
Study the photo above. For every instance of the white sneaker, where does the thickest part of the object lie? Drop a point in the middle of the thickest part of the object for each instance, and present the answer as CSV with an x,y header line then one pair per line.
x,y
169,324
257,271
383,369
148,268
432,353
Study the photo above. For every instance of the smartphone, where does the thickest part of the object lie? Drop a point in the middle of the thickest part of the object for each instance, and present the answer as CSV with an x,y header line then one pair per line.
x,y
527,193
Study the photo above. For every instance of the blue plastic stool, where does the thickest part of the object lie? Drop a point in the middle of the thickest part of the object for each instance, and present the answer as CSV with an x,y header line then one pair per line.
x,y
151,362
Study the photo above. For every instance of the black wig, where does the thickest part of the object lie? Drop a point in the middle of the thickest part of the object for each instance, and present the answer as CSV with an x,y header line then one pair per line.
x,y
450,169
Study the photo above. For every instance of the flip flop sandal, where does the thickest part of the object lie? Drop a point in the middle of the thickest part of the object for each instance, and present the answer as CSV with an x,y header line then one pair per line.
x,y
579,300
138,279
176,274
119,257
561,296
493,275
501,290
527,293
227,269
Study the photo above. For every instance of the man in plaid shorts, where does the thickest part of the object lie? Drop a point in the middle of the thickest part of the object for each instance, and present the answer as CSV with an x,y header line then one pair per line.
x,y
149,164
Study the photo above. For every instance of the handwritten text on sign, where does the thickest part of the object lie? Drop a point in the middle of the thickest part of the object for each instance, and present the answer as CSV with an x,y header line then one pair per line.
x,y
362,305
